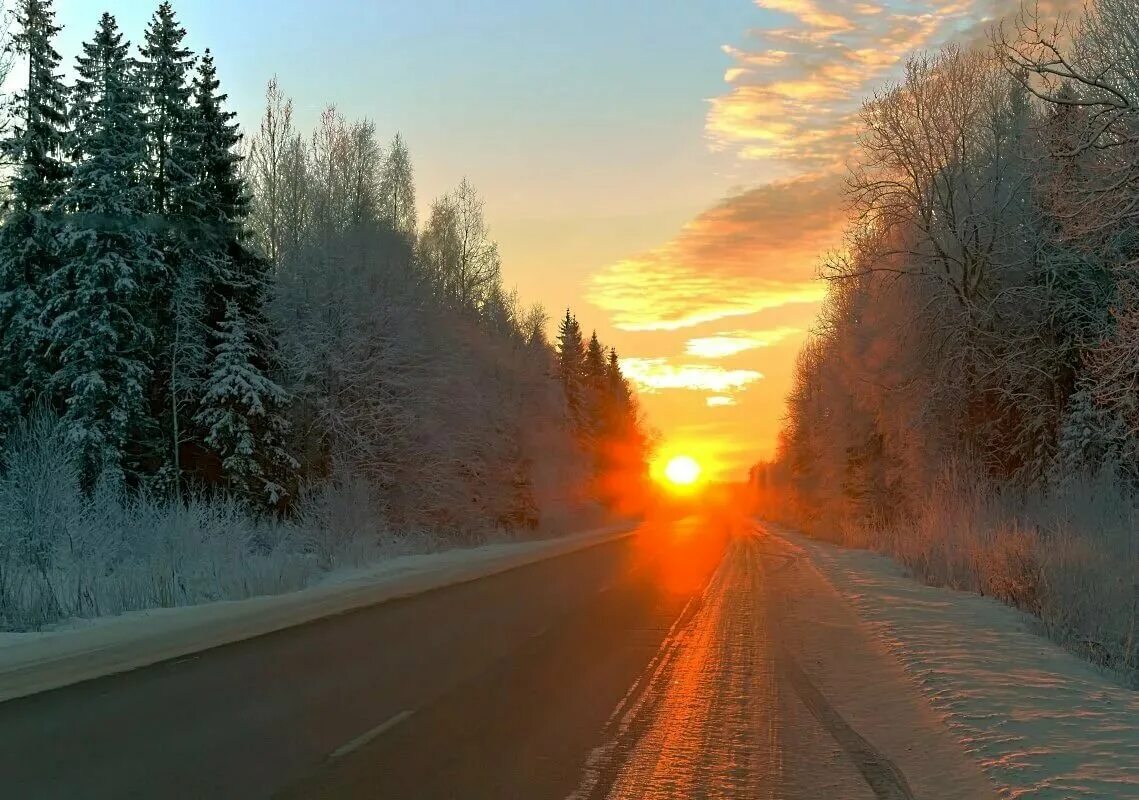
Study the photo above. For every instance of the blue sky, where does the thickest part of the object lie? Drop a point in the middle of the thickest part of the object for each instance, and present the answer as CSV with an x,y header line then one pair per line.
x,y
501,89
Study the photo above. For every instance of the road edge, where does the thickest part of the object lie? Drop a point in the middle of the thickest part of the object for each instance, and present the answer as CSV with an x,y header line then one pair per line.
x,y
849,678
59,659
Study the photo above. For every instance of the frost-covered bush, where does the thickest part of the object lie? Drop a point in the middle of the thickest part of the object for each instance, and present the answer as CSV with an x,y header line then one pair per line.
x,y
44,528
67,553
342,524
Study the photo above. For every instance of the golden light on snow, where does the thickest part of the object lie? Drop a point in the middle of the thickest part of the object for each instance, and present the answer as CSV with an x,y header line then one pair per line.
x,y
682,470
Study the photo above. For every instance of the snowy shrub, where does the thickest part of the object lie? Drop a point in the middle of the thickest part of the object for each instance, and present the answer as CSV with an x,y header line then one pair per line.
x,y
341,523
65,553
1009,568
41,523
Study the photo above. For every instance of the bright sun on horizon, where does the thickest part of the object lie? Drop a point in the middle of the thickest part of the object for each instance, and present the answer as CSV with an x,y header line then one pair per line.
x,y
682,470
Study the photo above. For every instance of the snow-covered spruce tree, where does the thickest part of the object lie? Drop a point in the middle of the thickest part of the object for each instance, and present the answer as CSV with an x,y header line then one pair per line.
x,y
172,163
619,418
239,413
250,452
166,67
594,359
1089,439
95,302
218,184
27,236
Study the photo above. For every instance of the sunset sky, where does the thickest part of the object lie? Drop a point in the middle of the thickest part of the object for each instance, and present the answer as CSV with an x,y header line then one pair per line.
x,y
669,169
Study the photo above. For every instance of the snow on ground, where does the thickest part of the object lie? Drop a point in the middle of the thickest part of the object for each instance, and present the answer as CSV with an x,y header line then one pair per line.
x,y
84,649
1042,723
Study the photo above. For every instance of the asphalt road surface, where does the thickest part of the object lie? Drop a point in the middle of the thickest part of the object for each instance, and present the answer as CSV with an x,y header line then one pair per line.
x,y
678,663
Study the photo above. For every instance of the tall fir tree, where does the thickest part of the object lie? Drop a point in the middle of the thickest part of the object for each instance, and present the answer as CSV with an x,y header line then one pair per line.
x,y
594,366
235,283
95,300
571,366
618,386
166,67
218,136
596,393
28,234
173,156
233,270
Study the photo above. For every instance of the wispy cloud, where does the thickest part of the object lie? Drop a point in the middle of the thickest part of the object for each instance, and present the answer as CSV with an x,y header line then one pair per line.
x,y
751,252
720,401
657,374
796,88
723,345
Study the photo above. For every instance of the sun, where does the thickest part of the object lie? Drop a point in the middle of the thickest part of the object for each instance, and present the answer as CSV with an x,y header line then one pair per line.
x,y
682,470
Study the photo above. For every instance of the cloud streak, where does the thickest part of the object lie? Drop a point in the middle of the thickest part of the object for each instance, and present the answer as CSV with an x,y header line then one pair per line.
x,y
723,345
656,374
751,252
796,89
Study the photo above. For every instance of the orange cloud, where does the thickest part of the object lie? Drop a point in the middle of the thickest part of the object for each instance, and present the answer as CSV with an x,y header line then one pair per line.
x,y
795,94
813,14
656,374
753,251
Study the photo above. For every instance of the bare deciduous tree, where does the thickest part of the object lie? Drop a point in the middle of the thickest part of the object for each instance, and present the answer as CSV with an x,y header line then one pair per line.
x,y
397,189
267,165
